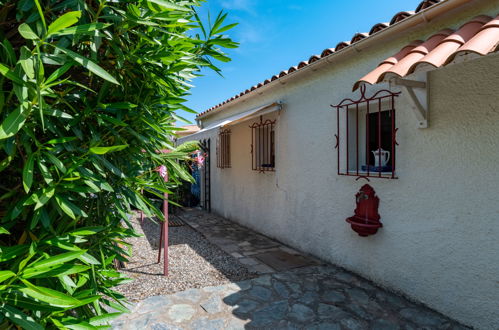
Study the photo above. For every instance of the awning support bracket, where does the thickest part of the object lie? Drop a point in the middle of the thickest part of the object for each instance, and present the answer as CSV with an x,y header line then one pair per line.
x,y
419,108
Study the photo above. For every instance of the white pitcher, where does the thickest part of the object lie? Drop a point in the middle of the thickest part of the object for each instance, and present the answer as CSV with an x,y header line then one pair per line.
x,y
382,155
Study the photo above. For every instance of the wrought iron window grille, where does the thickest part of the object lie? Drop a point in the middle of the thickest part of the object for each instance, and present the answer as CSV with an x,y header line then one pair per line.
x,y
263,145
366,135
223,149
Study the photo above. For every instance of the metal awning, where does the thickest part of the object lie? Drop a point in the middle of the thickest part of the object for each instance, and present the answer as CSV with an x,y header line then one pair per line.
x,y
240,117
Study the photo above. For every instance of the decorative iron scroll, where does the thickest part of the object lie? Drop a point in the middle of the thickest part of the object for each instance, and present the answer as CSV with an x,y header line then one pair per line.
x,y
223,149
263,145
365,136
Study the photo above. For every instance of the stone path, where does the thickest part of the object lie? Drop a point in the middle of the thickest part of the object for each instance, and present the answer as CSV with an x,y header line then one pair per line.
x,y
305,297
317,297
257,252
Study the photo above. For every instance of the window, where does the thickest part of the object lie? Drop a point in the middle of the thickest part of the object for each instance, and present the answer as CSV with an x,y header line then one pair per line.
x,y
223,149
366,135
263,145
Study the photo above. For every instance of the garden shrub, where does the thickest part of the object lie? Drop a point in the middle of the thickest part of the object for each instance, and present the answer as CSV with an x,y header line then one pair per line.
x,y
88,94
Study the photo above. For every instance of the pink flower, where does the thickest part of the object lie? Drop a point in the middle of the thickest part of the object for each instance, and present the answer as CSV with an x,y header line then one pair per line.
x,y
163,172
200,160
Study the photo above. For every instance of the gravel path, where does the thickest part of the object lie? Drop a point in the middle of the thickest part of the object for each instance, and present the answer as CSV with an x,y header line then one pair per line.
x,y
194,263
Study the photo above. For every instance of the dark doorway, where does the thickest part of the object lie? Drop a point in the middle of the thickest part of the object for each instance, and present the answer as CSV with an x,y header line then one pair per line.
x,y
206,201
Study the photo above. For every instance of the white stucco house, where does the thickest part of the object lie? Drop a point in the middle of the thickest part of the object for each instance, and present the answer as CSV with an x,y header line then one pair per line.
x,y
289,156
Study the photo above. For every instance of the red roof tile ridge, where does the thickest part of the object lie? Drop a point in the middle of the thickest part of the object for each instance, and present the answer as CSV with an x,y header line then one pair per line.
x,y
402,67
400,16
373,76
327,52
331,51
378,27
425,4
451,43
479,35
482,43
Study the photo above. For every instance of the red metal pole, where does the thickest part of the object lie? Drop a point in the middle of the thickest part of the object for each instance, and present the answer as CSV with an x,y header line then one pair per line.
x,y
142,212
165,231
368,152
357,136
393,136
160,243
163,236
338,136
379,137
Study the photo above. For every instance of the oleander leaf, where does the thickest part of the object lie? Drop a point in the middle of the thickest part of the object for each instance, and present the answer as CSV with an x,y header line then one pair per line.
x,y
49,296
14,121
26,32
19,318
105,150
28,172
88,64
63,22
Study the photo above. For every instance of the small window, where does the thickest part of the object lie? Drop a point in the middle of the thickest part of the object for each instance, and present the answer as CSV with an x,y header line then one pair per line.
x,y
263,145
223,149
366,135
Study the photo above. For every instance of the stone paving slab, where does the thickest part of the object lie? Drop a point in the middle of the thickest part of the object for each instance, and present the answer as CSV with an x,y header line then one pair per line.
x,y
317,297
257,252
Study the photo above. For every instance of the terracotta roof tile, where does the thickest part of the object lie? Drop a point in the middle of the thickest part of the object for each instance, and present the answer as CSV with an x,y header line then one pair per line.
x,y
374,76
341,45
359,36
480,35
425,4
400,16
484,42
378,27
439,55
329,51
302,64
314,58
188,129
417,53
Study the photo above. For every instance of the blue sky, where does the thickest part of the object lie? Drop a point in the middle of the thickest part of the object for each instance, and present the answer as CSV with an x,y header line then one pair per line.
x,y
276,34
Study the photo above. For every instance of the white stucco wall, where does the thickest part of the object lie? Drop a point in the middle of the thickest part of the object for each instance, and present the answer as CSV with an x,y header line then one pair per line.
x,y
439,242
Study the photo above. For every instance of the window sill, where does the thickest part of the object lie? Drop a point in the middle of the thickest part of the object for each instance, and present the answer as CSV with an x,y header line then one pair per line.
x,y
373,174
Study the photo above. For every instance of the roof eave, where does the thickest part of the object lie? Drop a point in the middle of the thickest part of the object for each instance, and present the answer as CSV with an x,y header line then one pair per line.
x,y
402,26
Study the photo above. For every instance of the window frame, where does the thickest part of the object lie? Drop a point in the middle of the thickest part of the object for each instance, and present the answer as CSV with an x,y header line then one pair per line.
x,y
263,145
223,149
347,143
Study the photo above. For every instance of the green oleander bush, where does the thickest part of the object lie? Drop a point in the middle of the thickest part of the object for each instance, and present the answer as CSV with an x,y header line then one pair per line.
x,y
88,95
